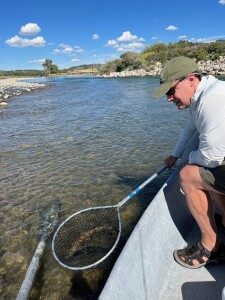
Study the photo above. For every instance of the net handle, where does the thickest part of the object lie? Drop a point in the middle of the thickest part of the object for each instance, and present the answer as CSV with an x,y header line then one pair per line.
x,y
29,277
138,189
35,262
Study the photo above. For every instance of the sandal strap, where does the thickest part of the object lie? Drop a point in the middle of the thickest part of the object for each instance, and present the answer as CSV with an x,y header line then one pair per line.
x,y
196,252
203,250
186,256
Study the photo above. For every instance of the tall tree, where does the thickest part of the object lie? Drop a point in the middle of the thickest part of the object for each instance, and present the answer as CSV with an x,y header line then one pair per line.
x,y
47,66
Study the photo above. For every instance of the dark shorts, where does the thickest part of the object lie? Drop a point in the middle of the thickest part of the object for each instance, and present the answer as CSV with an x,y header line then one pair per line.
x,y
214,177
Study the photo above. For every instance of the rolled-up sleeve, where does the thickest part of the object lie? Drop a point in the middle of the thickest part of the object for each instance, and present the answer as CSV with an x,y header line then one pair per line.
x,y
211,150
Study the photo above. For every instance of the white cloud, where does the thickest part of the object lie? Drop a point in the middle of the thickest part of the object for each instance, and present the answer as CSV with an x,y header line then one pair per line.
x,y
30,29
40,61
154,38
222,2
56,51
134,46
182,37
112,43
67,49
75,60
207,40
19,42
127,37
80,50
95,36
171,28
63,45
126,42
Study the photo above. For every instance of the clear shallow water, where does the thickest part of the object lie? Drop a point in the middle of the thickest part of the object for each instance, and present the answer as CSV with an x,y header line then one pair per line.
x,y
85,141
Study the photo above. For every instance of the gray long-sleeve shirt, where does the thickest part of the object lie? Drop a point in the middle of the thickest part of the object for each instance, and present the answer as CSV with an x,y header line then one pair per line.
x,y
207,116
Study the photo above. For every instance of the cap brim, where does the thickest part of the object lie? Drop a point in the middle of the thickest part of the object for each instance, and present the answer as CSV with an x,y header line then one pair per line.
x,y
162,90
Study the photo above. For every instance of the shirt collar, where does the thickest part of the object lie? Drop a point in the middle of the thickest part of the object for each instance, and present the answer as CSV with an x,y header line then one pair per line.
x,y
205,82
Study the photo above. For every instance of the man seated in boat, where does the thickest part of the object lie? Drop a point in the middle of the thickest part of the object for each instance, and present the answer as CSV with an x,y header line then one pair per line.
x,y
202,179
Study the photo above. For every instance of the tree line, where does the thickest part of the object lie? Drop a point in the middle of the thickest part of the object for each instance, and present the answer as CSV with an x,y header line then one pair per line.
x,y
161,52
158,52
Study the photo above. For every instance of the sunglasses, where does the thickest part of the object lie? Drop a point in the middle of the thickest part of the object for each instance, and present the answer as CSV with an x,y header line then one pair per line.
x,y
172,90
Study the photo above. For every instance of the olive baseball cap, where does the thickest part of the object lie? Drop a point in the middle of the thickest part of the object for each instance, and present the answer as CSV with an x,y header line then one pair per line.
x,y
174,69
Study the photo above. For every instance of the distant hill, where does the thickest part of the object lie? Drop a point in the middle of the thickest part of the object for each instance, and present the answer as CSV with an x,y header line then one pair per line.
x,y
21,73
83,67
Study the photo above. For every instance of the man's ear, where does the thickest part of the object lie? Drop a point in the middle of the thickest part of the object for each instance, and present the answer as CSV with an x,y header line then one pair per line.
x,y
191,79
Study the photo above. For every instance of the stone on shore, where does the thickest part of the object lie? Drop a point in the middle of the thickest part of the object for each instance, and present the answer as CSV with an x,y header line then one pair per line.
x,y
216,67
10,87
3,103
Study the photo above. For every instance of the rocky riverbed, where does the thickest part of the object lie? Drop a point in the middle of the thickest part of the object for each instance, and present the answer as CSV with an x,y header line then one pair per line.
x,y
10,87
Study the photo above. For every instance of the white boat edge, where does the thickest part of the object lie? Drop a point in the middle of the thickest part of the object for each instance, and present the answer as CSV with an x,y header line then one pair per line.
x,y
146,270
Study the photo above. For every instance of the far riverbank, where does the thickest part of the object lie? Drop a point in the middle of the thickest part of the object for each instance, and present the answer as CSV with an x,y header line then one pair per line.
x,y
209,67
11,86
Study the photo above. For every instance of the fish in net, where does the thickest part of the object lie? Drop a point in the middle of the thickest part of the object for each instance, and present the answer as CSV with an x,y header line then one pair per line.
x,y
87,237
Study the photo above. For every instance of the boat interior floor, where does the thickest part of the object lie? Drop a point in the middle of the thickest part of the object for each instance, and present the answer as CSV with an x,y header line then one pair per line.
x,y
187,284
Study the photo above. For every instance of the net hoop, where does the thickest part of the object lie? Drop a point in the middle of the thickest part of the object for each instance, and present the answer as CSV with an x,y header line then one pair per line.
x,y
100,260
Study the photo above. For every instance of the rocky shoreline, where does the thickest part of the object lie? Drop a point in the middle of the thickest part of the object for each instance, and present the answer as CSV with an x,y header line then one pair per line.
x,y
10,87
216,67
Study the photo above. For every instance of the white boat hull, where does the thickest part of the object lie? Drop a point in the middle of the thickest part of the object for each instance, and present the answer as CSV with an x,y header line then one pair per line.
x,y
146,269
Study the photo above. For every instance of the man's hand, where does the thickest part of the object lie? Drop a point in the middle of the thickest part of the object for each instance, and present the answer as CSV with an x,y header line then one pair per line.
x,y
170,161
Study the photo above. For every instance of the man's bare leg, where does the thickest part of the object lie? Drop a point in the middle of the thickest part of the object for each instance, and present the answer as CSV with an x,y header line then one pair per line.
x,y
200,205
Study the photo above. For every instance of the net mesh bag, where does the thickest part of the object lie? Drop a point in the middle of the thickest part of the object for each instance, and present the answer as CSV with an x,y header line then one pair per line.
x,y
87,237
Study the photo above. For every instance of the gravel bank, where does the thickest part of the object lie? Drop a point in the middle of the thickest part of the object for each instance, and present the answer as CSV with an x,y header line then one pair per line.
x,y
10,87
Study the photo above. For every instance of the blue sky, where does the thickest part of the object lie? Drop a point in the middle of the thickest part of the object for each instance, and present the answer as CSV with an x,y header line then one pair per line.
x,y
76,32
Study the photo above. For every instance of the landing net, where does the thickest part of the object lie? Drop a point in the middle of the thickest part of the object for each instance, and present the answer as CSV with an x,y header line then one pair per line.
x,y
86,238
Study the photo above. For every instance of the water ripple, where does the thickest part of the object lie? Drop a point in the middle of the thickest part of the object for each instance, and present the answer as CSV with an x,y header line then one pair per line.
x,y
87,142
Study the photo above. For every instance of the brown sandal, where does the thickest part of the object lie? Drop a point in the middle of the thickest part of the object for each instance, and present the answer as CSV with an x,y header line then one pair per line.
x,y
186,256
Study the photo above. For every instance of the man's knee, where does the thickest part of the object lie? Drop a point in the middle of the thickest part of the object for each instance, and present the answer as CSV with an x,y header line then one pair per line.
x,y
188,176
185,173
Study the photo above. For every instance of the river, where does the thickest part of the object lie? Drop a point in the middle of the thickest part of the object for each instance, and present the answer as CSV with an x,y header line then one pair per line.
x,y
83,141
